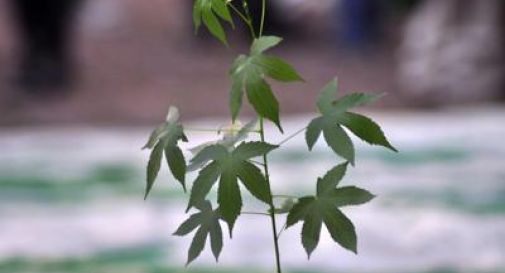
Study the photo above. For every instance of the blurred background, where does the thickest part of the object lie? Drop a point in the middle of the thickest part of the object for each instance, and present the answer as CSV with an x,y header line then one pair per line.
x,y
82,83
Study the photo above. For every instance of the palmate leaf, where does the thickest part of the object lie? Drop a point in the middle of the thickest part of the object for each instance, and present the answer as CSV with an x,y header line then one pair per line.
x,y
209,12
229,167
323,208
164,140
207,222
335,115
248,73
233,135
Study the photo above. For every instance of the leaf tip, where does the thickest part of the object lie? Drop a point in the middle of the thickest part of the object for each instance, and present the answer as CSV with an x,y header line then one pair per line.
x,y
392,148
278,124
352,162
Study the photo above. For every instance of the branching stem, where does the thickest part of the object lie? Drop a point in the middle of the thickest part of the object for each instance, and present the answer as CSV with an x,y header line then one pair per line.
x,y
248,19
238,12
271,202
282,229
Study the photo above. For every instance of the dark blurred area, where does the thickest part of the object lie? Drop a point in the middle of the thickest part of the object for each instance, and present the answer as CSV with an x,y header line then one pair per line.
x,y
44,29
125,61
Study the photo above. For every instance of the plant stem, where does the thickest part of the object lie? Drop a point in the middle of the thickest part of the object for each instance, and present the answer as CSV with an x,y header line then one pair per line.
x,y
284,196
271,202
265,166
249,20
282,229
246,18
263,14
255,213
203,130
292,136
238,12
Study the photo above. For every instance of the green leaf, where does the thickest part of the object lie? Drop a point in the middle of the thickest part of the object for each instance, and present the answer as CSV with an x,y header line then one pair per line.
x,y
339,141
314,211
165,139
216,239
221,9
311,231
208,153
326,97
229,197
264,43
334,116
239,66
254,181
331,179
349,196
213,25
248,150
176,163
277,69
340,228
206,11
299,210
249,73
207,222
365,128
313,132
354,100
207,177
263,100
236,97
230,167
153,166
189,225
155,136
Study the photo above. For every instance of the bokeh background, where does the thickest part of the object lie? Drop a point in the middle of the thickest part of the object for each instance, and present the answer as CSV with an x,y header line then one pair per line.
x,y
82,83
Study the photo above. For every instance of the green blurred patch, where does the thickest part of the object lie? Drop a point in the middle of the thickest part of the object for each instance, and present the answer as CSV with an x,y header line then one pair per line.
x,y
140,259
100,181
422,156
484,203
409,156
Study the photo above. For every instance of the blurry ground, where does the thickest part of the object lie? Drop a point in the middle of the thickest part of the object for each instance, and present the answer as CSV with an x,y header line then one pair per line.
x,y
135,60
71,201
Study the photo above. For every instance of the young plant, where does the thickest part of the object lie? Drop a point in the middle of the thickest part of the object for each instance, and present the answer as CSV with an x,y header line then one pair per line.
x,y
233,160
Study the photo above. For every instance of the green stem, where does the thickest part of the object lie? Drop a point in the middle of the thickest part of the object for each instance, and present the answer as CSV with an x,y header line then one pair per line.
x,y
271,202
284,196
203,130
239,13
292,136
282,229
255,213
263,15
249,20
